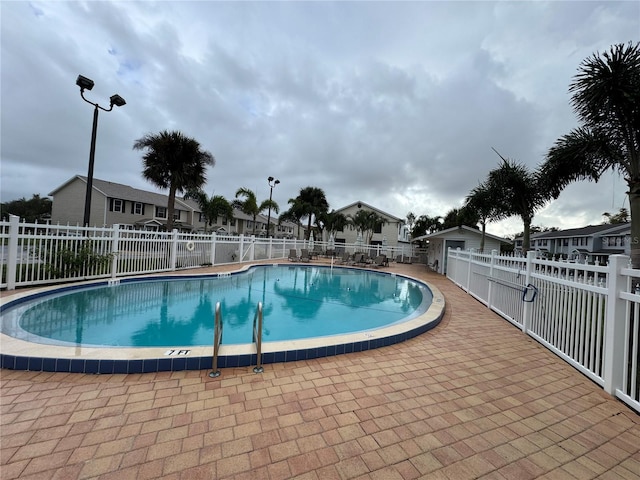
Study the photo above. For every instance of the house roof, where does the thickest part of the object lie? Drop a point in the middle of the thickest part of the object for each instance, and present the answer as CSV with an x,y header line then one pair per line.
x,y
587,231
125,192
442,233
369,207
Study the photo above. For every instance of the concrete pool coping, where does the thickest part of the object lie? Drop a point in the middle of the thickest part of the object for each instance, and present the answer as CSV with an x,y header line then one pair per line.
x,y
18,354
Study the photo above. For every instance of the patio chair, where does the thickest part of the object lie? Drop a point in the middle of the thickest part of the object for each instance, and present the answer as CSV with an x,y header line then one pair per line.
x,y
380,261
345,259
357,259
304,255
364,260
293,255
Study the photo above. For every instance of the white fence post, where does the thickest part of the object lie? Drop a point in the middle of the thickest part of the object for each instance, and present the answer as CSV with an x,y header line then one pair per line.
x,y
468,283
213,248
12,258
614,336
494,252
115,241
526,311
241,248
174,248
252,252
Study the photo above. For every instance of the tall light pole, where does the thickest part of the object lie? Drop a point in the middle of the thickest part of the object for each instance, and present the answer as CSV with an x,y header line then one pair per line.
x,y
272,183
87,84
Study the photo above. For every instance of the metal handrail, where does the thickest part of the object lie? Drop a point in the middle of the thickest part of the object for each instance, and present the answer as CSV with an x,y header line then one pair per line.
x,y
217,340
257,338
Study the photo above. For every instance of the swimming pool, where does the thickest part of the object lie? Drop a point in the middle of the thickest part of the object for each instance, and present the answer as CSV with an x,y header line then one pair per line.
x,y
163,323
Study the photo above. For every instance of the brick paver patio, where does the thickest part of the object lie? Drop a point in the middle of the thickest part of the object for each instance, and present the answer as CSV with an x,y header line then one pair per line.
x,y
473,398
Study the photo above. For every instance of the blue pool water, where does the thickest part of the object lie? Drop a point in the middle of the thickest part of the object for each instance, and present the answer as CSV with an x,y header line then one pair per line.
x,y
298,302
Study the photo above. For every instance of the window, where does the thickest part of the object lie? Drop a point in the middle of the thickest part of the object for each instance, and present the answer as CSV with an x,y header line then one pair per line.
x,y
161,212
378,228
176,214
116,205
137,208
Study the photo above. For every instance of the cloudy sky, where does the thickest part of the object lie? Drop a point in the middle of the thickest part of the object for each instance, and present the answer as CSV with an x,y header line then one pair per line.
x,y
397,104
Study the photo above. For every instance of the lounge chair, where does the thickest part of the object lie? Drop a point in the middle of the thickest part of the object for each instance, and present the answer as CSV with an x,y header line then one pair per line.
x,y
345,259
380,261
293,255
304,255
357,258
364,260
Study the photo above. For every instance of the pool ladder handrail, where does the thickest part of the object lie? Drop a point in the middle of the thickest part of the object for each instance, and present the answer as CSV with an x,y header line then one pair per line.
x,y
257,338
217,340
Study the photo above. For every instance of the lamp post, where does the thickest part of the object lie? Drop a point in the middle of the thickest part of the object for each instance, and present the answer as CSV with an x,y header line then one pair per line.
x,y
87,84
272,183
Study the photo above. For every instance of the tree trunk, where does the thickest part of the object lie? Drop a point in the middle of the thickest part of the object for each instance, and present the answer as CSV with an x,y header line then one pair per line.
x,y
171,207
634,204
484,228
526,237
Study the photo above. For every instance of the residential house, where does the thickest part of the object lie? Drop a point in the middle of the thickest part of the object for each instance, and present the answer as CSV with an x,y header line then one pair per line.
x,y
135,209
395,232
462,237
591,244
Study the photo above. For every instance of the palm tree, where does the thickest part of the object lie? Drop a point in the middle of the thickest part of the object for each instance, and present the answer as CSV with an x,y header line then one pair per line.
x,y
606,99
294,214
456,217
211,207
517,191
250,205
366,222
411,220
312,202
621,217
333,221
481,201
425,225
174,161
33,210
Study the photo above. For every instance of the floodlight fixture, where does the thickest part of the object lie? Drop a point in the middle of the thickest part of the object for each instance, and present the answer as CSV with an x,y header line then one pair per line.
x,y
84,83
117,100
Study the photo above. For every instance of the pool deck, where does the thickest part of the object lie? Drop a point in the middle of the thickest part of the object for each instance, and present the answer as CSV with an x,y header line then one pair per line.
x,y
472,398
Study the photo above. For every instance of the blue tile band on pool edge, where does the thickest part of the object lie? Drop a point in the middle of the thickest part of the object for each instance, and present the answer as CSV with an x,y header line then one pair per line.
x,y
13,362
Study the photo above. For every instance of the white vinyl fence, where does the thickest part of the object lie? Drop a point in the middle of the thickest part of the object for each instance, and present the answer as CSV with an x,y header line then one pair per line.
x,y
586,314
38,254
